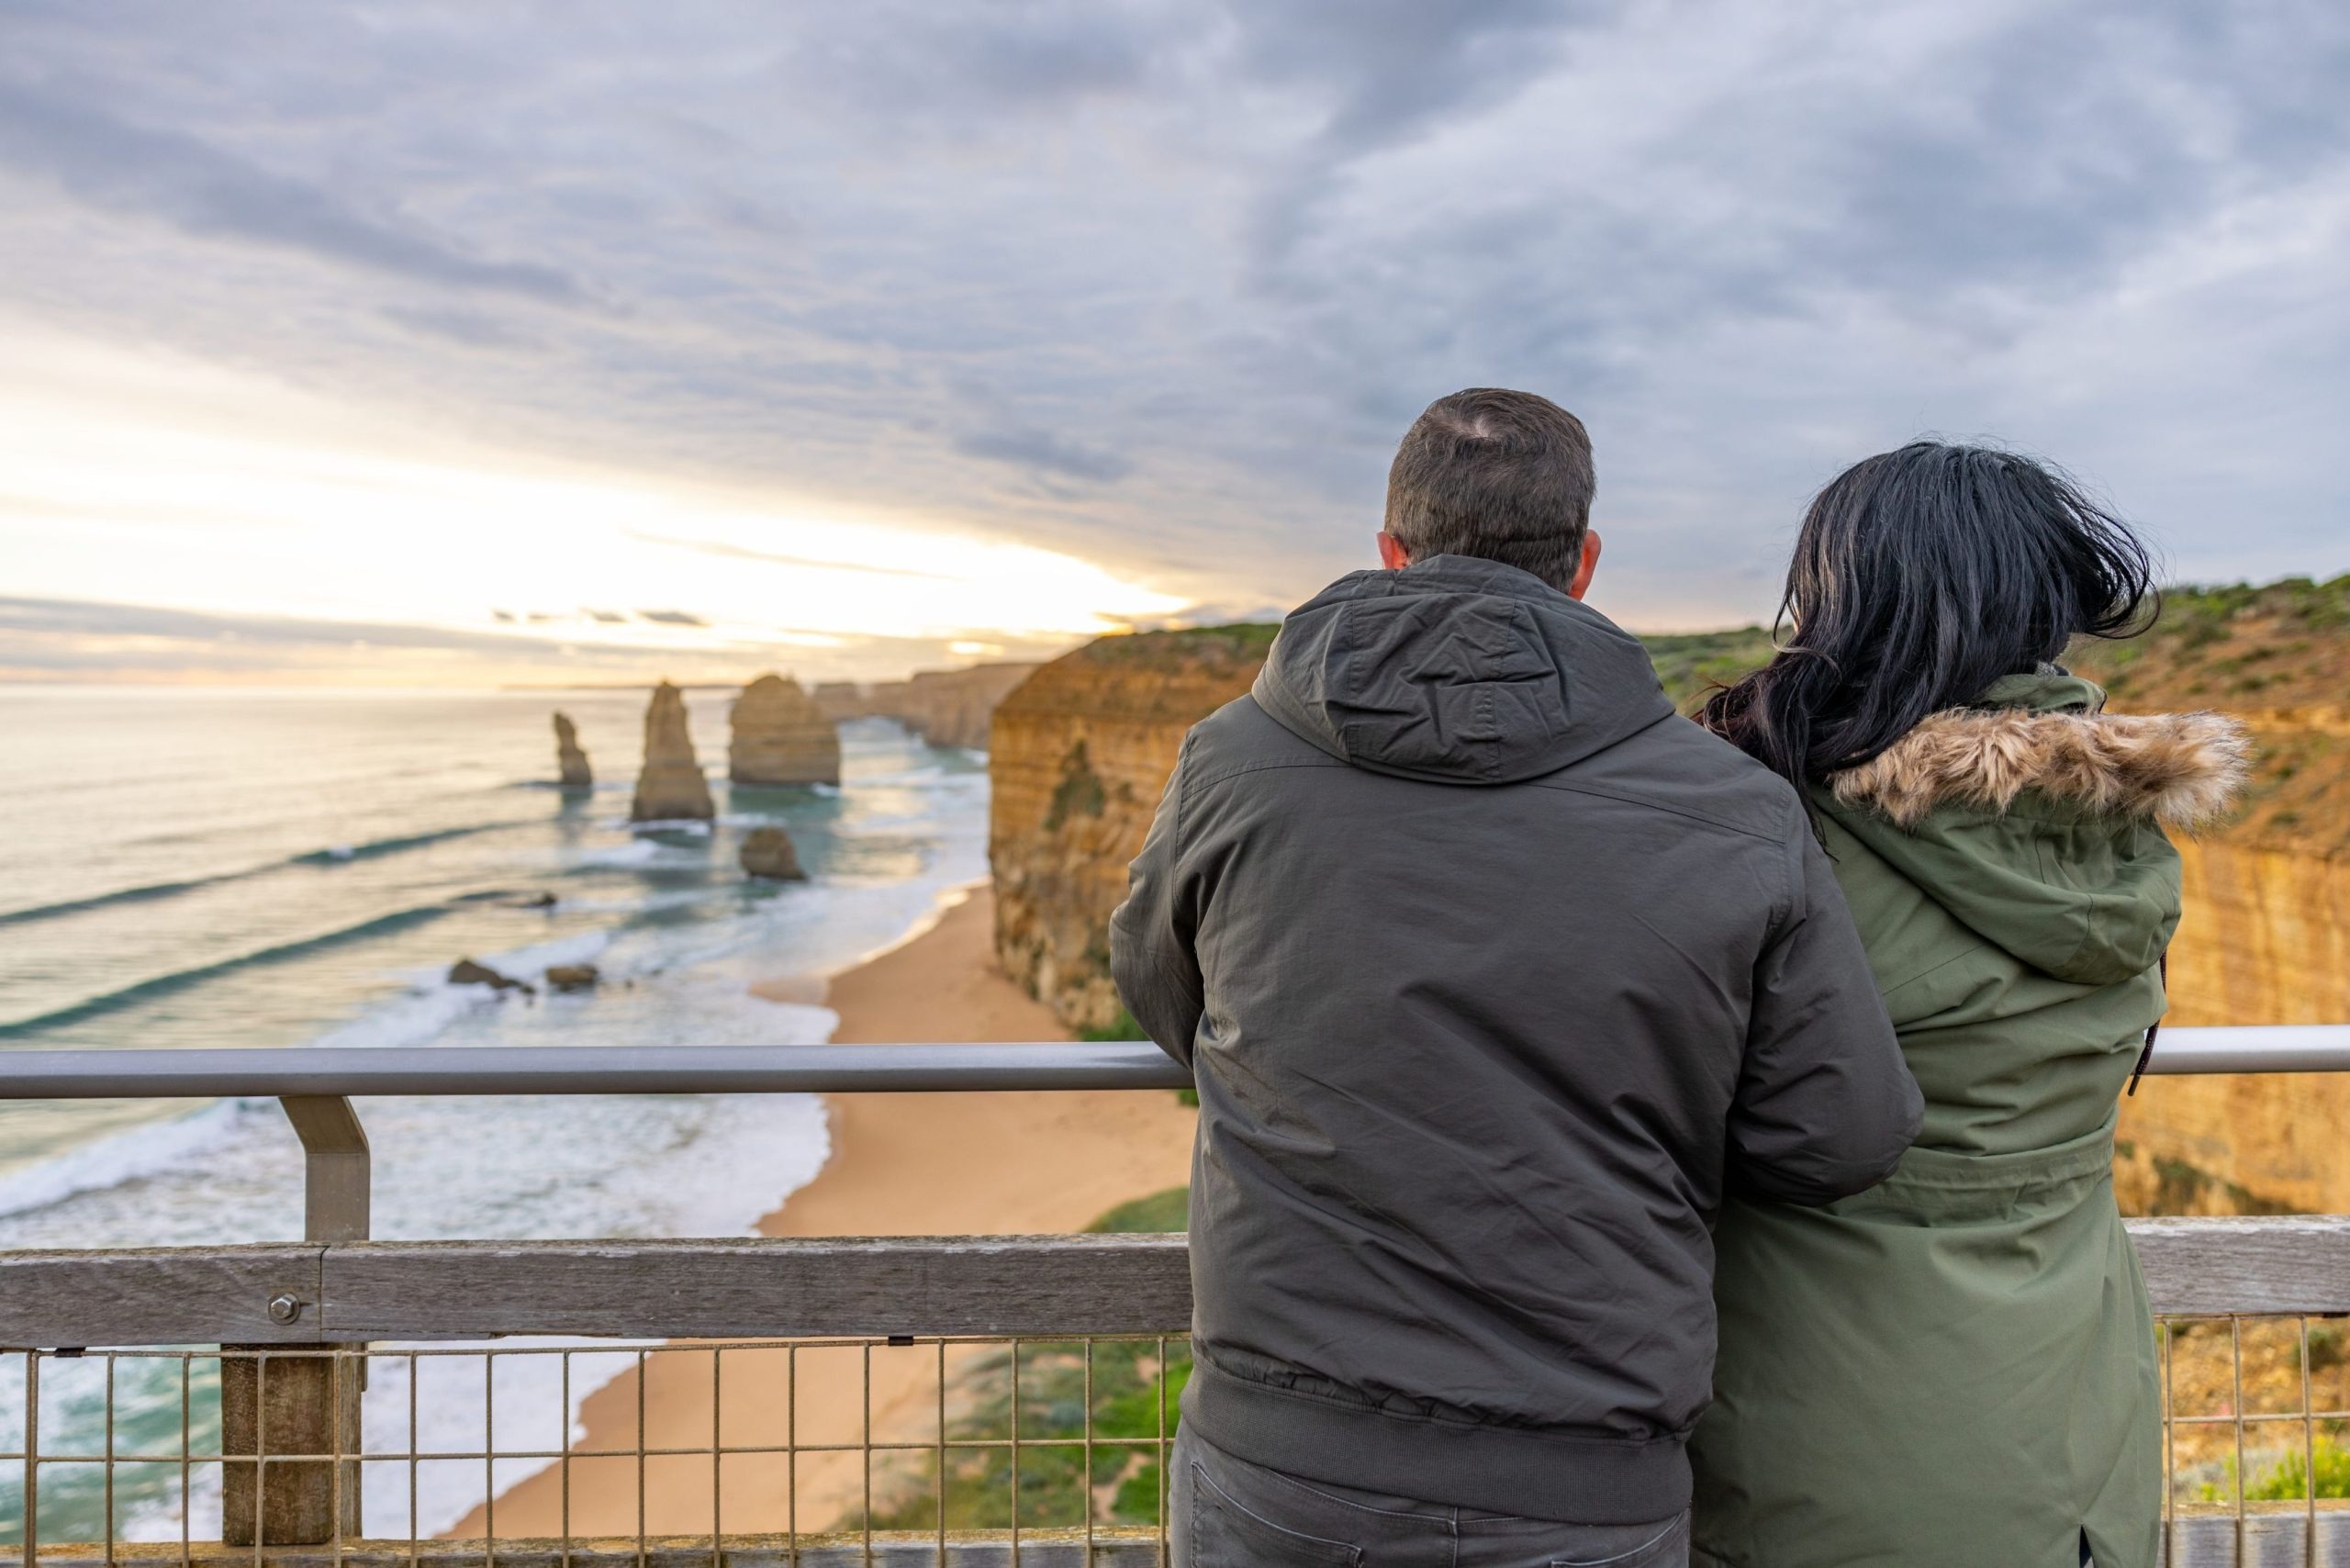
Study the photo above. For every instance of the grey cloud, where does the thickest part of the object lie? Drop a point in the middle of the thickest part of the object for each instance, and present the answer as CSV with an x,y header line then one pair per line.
x,y
1391,67
60,618
204,190
471,328
671,618
1041,450
1159,282
921,66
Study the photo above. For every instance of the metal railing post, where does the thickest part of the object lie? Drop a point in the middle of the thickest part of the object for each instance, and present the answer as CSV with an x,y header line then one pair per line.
x,y
301,1401
336,1192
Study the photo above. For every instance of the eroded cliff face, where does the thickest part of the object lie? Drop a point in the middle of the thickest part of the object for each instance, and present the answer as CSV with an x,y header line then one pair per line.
x,y
1078,754
944,707
2267,933
1082,752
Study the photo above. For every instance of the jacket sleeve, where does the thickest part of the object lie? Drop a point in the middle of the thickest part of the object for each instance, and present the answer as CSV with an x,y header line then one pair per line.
x,y
1151,955
1825,1106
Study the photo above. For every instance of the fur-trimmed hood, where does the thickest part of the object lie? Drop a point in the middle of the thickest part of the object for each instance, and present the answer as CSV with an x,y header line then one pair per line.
x,y
2037,822
2183,770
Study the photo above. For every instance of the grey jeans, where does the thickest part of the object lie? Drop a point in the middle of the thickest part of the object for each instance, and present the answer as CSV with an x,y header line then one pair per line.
x,y
1228,1513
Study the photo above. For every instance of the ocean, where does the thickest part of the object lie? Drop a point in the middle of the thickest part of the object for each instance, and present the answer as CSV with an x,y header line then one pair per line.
x,y
230,867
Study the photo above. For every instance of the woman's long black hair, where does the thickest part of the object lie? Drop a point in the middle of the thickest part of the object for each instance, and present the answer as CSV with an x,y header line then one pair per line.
x,y
1920,577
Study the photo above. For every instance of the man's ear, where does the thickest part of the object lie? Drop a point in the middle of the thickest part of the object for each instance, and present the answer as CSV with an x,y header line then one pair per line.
x,y
1583,568
1391,554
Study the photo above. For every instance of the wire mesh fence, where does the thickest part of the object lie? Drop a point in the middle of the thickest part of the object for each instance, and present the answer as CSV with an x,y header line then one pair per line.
x,y
2256,1438
848,1451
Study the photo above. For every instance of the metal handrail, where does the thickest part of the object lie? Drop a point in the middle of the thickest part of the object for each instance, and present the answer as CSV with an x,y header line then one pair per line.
x,y
584,1070
307,1072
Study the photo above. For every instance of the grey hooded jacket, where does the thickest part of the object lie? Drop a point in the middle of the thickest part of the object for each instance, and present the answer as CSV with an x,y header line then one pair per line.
x,y
1492,973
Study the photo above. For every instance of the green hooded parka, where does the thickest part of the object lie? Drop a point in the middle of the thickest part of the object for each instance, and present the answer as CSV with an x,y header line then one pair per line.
x,y
1956,1369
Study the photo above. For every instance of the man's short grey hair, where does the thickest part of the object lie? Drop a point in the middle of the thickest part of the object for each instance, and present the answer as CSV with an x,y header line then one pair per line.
x,y
1501,475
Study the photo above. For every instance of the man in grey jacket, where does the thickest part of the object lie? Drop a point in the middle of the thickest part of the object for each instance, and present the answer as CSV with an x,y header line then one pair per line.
x,y
1494,973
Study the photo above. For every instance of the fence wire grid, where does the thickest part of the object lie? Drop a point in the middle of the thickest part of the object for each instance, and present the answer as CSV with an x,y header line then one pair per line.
x,y
847,1451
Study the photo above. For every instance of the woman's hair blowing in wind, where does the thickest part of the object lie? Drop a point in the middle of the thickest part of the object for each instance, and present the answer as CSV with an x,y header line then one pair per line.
x,y
1920,577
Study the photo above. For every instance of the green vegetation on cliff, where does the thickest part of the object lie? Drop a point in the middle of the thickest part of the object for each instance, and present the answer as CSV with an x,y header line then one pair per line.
x,y
2276,655
1689,663
1118,1381
1692,664
1241,640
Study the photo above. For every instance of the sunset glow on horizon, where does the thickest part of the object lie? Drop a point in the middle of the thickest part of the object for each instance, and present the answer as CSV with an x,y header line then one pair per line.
x,y
186,488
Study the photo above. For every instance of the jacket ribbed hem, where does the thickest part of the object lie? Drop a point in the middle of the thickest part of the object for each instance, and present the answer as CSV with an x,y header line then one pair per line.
x,y
1570,1477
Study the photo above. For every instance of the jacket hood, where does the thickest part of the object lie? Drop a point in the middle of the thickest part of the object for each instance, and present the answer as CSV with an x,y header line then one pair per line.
x,y
1456,670
2036,819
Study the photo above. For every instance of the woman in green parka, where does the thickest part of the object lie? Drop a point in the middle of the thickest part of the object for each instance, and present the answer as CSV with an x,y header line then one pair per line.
x,y
1956,1369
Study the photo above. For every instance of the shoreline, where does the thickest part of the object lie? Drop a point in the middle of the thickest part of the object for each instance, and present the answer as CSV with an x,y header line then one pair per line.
x,y
900,1164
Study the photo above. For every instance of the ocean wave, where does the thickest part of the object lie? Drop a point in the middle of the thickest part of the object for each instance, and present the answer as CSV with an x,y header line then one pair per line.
x,y
635,852
695,827
930,775
124,895
124,1156
165,985
341,854
334,855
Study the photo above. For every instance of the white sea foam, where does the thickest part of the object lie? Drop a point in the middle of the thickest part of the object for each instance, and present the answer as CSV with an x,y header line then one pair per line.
x,y
634,852
123,1158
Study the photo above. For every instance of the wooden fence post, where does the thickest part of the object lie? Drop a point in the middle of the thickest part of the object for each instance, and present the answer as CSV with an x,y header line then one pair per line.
x,y
276,1403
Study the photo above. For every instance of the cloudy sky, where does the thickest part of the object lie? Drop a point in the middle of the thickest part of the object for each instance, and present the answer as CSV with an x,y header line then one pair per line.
x,y
512,342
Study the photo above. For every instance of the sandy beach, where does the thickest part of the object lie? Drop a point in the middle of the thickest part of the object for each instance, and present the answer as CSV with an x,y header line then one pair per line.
x,y
900,1165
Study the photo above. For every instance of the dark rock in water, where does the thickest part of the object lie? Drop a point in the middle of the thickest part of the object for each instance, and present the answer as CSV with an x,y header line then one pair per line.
x,y
465,971
768,853
572,977
576,775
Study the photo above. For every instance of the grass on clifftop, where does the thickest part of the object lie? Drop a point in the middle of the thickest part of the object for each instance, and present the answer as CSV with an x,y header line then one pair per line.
x,y
1241,642
2277,653
1692,664
2282,644
1057,1488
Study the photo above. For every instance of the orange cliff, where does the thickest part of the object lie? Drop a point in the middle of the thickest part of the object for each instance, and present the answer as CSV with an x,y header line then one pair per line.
x,y
1083,749
2266,935
944,707
1078,756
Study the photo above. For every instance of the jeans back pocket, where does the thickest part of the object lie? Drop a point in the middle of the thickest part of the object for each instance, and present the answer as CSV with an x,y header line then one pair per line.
x,y
1227,1535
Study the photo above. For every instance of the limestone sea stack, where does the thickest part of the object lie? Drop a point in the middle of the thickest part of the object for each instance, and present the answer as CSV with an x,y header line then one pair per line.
x,y
781,738
768,853
671,785
577,774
